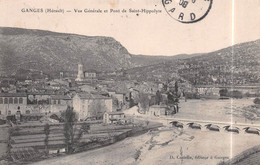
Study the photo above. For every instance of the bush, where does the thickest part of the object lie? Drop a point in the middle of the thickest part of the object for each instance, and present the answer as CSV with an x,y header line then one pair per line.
x,y
257,100
190,95
235,94
223,92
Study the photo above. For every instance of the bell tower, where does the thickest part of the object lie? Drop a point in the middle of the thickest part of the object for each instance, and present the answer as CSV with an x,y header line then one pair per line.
x,y
80,75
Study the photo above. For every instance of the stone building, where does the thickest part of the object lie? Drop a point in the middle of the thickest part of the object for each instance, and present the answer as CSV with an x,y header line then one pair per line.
x,y
89,105
11,103
90,74
113,117
59,103
158,110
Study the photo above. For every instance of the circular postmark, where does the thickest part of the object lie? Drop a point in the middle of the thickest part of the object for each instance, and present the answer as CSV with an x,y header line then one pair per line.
x,y
187,11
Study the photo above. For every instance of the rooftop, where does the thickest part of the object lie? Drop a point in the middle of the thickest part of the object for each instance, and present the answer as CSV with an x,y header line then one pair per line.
x,y
89,96
13,95
90,71
49,92
60,97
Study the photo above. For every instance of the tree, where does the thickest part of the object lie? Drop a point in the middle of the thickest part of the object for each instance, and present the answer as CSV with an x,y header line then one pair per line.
x,y
143,101
223,92
131,100
9,142
171,97
84,129
69,128
46,140
176,87
96,109
177,96
158,97
235,94
165,87
71,133
115,102
257,100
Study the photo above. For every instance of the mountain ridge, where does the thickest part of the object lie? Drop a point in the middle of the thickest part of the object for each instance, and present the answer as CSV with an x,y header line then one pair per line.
x,y
236,65
59,51
51,52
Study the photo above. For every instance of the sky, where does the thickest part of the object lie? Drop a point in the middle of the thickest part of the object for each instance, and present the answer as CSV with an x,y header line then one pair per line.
x,y
147,34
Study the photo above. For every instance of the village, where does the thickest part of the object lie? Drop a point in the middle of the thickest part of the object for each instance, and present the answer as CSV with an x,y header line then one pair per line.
x,y
89,94
28,106
108,108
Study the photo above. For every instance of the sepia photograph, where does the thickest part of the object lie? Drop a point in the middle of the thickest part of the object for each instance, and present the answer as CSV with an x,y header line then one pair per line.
x,y
130,82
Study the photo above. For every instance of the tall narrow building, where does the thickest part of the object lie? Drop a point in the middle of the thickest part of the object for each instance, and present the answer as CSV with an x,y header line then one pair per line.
x,y
80,76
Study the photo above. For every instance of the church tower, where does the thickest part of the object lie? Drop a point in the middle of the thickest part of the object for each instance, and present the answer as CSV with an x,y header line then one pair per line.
x,y
80,75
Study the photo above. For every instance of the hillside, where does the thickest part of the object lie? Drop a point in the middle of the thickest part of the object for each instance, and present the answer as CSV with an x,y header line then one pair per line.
x,y
238,65
145,60
51,52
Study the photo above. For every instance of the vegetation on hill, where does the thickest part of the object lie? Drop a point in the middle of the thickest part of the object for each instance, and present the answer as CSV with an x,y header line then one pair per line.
x,y
237,65
53,52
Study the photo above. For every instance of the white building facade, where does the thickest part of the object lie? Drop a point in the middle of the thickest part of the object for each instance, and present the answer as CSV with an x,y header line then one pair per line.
x,y
11,103
89,105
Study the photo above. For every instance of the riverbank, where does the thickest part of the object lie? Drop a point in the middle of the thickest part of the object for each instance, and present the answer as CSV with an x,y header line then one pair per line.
x,y
165,146
249,156
217,110
28,141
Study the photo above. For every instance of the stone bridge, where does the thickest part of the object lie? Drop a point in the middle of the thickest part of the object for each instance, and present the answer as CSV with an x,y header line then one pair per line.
x,y
203,123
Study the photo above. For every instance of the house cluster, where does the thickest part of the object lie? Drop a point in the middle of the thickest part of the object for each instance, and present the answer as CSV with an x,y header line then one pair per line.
x,y
214,90
89,97
208,90
87,105
90,94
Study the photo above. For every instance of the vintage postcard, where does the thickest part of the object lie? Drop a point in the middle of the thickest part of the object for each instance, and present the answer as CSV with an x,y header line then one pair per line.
x,y
130,82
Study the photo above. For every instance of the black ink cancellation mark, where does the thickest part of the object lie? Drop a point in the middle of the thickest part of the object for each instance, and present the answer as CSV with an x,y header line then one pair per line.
x,y
187,11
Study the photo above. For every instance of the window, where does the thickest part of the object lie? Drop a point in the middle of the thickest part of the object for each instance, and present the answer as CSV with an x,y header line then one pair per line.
x,y
9,112
58,101
54,101
6,100
11,100
20,100
0,112
1,101
15,100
